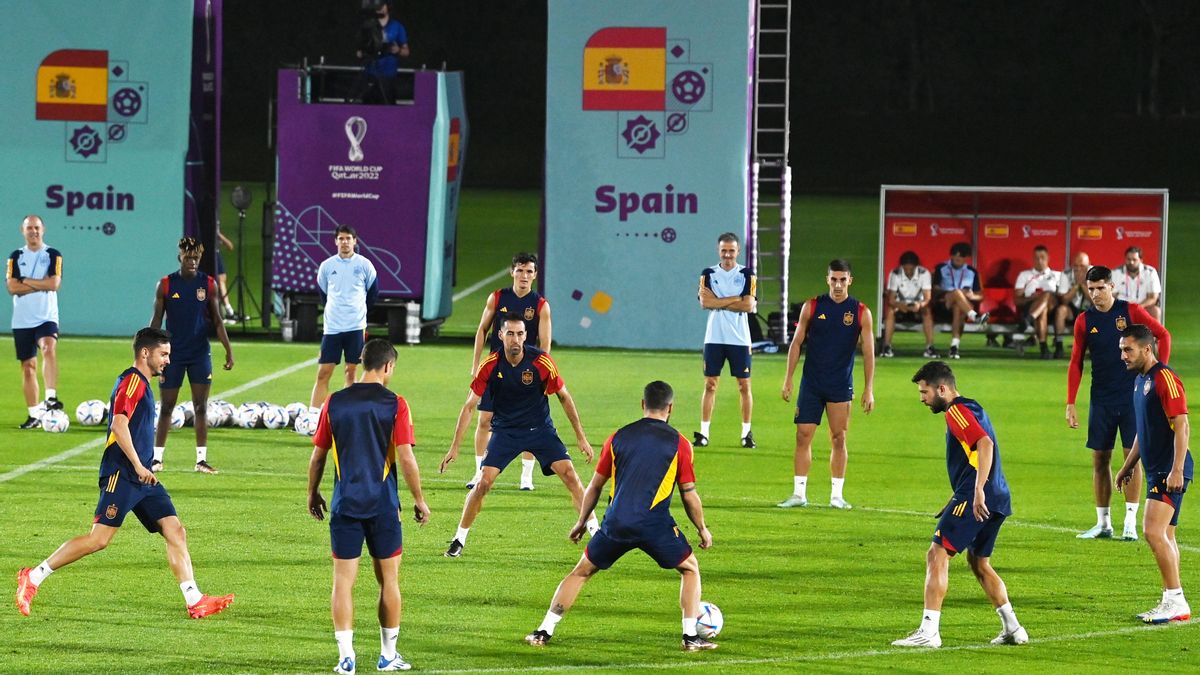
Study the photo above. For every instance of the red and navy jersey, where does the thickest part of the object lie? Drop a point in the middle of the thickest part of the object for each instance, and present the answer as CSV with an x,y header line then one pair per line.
x,y
185,302
529,307
645,460
832,336
133,398
1158,396
1099,333
361,426
966,424
519,393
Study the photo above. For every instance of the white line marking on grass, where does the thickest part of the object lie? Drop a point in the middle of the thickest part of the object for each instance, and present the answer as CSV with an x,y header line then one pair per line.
x,y
478,285
84,447
715,662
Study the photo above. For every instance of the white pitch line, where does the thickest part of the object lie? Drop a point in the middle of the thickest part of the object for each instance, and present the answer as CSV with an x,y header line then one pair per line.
x,y
718,663
478,285
84,447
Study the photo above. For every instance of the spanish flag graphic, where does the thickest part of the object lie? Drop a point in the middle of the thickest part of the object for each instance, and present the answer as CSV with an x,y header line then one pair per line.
x,y
72,85
625,69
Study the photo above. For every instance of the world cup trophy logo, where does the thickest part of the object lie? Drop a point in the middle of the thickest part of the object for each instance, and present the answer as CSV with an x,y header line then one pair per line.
x,y
356,131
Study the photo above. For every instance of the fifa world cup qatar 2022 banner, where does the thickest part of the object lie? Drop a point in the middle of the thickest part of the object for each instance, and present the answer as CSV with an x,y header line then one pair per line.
x,y
95,117
647,144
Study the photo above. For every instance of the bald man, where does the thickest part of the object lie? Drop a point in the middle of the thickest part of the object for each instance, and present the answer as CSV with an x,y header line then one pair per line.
x,y
1073,298
33,279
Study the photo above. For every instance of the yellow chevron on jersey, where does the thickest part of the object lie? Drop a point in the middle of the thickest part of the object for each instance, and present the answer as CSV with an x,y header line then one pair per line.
x,y
174,296
821,317
1094,330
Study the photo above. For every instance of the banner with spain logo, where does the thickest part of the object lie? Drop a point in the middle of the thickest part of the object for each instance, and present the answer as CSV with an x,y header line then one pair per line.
x,y
95,115
647,147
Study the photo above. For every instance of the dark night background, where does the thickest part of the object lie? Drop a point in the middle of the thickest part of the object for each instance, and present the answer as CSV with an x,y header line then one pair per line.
x,y
1097,93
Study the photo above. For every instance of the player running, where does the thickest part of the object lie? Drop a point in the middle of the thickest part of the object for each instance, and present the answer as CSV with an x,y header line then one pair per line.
x,y
972,518
646,460
519,381
1163,433
188,299
368,430
127,486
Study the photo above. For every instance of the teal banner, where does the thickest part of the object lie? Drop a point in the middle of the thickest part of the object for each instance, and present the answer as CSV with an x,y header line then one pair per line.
x,y
647,145
95,114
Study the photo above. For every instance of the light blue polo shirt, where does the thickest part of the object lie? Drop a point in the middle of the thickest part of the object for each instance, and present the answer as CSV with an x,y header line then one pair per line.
x,y
34,309
346,283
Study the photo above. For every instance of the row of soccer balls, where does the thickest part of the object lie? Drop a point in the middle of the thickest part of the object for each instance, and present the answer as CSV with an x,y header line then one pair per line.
x,y
249,415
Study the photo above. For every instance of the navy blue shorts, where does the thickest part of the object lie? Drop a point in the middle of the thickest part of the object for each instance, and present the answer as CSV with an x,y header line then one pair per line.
x,y
958,530
810,403
543,442
1105,420
150,503
26,339
1156,489
485,401
667,546
199,371
220,264
334,345
383,534
716,355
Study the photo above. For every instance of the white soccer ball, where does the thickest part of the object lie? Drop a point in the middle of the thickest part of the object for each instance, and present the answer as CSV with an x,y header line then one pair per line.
x,y
189,412
228,412
90,413
178,417
710,622
214,414
248,415
275,417
294,409
55,421
306,423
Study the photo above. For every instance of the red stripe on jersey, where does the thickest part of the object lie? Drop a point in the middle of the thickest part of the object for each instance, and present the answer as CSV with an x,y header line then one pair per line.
x,y
541,303
685,472
212,288
604,466
549,372
1170,393
131,390
962,423
323,439
402,429
862,309
166,286
479,384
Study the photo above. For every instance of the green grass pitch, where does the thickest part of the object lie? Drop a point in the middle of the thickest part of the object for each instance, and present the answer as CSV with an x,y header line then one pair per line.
x,y
802,590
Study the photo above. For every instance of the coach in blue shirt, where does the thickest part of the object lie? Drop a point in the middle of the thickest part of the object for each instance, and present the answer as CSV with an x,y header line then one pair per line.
x,y
348,286
34,277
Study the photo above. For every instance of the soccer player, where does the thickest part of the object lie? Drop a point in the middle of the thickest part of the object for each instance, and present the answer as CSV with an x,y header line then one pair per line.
x,y
909,291
1098,331
832,324
189,301
1073,298
1163,433
128,486
369,430
1035,293
348,288
34,277
728,292
956,287
535,311
1138,283
646,461
519,381
972,518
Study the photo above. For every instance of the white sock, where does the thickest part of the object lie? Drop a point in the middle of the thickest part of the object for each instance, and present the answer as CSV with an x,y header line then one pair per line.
x,y
527,471
1008,617
745,429
51,393
550,622
1173,594
478,463
953,342
971,315
201,453
33,411
345,643
1131,509
191,593
689,626
593,525
461,536
704,427
930,620
38,574
800,486
387,642
158,452
1104,517
835,491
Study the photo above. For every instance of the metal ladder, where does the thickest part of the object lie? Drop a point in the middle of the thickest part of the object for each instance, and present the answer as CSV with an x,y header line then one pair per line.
x,y
770,174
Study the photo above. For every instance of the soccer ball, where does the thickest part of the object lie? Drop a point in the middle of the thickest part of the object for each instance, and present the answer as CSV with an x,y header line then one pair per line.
x,y
294,410
189,412
306,423
178,417
228,412
215,414
710,622
248,415
90,413
55,421
275,417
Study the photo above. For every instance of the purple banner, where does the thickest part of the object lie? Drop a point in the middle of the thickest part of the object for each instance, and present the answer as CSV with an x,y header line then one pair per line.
x,y
202,172
367,166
